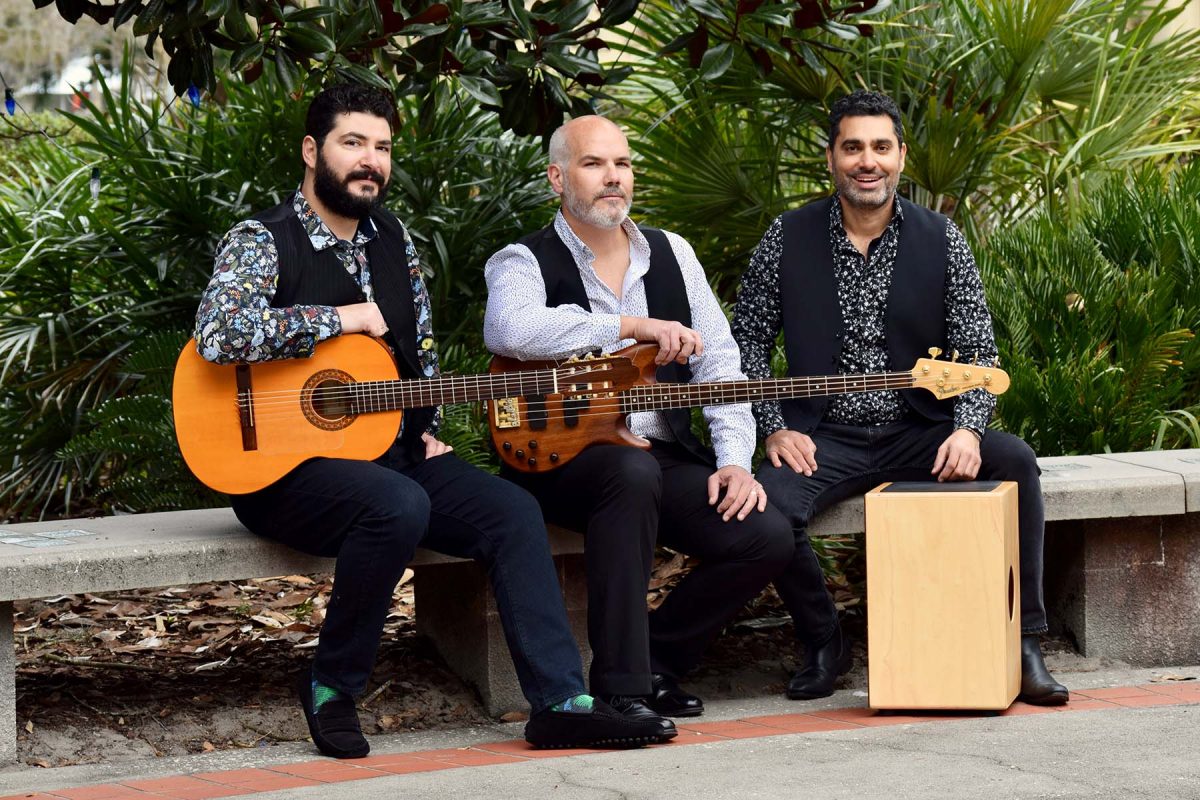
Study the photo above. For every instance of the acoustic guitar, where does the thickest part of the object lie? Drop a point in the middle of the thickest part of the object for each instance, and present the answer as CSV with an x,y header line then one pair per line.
x,y
241,427
542,431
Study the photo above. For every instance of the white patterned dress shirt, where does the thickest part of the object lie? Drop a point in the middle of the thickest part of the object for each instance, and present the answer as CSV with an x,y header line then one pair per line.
x,y
518,324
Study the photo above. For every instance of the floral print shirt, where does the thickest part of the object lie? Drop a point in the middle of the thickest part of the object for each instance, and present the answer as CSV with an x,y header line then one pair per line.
x,y
863,284
236,322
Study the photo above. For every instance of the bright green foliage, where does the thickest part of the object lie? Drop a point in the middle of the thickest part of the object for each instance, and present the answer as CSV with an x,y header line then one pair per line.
x,y
1096,316
83,283
465,188
1007,105
132,439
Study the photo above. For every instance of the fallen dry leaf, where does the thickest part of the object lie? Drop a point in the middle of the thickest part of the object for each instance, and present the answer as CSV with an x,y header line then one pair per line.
x,y
1163,677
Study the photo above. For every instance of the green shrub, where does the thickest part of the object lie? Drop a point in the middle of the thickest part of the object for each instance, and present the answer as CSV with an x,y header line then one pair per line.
x,y
83,283
1095,317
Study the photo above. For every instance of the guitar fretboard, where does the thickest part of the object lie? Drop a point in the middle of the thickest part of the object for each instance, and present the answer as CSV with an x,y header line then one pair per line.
x,y
371,396
661,396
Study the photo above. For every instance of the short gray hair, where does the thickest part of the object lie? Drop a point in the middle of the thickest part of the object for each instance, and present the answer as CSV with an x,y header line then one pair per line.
x,y
560,151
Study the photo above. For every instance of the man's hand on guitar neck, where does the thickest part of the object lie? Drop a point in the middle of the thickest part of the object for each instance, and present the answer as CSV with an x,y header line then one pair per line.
x,y
675,341
742,493
362,318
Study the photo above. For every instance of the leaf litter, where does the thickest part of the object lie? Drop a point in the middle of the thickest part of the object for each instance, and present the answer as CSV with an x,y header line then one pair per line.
x,y
188,669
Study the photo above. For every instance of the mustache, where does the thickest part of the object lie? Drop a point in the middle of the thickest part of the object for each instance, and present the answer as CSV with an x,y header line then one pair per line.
x,y
866,173
366,174
612,191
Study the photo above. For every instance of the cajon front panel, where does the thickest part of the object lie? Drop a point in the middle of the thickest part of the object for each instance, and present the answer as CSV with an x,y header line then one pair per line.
x,y
943,619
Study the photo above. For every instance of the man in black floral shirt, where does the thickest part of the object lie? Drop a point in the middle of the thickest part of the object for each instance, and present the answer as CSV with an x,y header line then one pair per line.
x,y
865,282
331,260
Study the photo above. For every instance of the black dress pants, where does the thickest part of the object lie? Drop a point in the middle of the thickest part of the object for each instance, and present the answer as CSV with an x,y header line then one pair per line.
x,y
852,460
373,515
625,500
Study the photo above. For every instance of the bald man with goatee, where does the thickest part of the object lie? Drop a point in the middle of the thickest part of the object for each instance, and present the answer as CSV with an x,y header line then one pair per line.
x,y
594,280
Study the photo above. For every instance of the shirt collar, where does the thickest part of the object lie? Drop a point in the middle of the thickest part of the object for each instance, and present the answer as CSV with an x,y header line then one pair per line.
x,y
837,222
577,245
318,232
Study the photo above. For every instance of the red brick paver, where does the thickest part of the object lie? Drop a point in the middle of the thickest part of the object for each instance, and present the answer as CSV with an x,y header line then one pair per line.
x,y
242,782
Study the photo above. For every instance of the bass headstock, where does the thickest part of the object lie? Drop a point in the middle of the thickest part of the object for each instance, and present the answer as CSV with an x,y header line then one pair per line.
x,y
954,377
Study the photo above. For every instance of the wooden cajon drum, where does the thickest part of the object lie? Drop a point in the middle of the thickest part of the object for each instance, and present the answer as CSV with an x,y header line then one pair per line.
x,y
943,596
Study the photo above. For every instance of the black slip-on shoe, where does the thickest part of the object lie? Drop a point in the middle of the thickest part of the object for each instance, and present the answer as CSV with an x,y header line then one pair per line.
x,y
335,730
637,708
669,700
602,727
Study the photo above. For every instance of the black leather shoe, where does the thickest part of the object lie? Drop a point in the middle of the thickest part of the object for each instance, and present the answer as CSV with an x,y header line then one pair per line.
x,y
821,668
1038,686
601,727
335,730
668,699
635,708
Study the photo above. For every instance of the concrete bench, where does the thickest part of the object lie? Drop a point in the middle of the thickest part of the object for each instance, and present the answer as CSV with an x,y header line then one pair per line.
x,y
1122,578
103,554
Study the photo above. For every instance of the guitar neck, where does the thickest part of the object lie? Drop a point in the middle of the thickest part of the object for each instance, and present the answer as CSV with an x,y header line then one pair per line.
x,y
372,396
663,396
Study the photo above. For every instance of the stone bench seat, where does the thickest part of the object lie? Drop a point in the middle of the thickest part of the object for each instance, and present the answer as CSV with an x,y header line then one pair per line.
x,y
1121,535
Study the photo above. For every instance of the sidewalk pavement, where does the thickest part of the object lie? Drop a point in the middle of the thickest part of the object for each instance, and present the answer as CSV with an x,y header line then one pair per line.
x,y
1137,739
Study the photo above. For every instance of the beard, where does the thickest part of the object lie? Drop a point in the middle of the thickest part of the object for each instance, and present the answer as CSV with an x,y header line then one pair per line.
x,y
858,197
334,192
604,216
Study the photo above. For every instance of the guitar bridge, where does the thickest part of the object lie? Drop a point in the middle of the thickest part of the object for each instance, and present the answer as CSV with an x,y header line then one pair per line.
x,y
506,413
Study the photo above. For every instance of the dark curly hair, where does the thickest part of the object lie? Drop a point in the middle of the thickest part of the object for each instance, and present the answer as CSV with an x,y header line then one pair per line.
x,y
346,98
862,103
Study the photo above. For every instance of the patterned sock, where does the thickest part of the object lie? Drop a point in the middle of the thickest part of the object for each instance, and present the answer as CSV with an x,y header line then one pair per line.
x,y
579,704
322,694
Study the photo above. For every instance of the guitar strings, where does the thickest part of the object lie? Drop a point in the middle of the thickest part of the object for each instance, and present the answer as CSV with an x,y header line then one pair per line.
x,y
389,389
648,393
609,404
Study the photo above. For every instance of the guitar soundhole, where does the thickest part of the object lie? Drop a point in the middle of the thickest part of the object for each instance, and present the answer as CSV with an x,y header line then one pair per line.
x,y
328,400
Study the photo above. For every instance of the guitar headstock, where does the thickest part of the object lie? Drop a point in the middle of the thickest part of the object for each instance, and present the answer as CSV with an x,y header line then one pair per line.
x,y
593,374
952,378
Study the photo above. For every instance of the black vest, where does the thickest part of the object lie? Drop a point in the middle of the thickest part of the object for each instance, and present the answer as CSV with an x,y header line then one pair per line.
x,y
812,316
666,298
311,277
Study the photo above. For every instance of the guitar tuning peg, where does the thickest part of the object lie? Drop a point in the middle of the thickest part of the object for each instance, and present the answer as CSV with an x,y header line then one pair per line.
x,y
589,356
975,359
934,352
572,360
954,356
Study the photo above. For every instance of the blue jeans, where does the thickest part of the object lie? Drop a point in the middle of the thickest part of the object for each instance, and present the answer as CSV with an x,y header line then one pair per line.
x,y
852,460
372,516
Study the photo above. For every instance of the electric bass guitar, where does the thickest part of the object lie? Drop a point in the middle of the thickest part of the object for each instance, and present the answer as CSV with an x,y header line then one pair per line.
x,y
541,431
241,427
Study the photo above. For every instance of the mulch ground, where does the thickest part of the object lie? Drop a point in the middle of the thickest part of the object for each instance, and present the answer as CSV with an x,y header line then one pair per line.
x,y
197,668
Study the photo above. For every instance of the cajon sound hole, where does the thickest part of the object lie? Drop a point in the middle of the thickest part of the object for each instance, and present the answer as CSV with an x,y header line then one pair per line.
x,y
1012,591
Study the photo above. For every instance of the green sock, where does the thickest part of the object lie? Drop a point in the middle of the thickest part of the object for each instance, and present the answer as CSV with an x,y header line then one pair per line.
x,y
579,704
322,694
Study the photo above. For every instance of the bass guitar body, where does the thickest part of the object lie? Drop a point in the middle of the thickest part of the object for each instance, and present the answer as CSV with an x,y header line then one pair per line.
x,y
241,427
537,433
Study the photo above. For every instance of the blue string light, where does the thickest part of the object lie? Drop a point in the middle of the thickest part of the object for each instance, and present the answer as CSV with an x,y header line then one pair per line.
x,y
193,94
10,102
